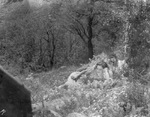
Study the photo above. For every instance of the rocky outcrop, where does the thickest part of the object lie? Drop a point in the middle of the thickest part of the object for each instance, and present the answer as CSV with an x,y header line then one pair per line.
x,y
102,69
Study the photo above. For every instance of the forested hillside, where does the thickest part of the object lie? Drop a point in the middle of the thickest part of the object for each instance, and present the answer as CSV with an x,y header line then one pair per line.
x,y
79,58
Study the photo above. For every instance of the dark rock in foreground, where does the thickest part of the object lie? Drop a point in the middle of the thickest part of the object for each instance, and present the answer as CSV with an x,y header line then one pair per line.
x,y
14,97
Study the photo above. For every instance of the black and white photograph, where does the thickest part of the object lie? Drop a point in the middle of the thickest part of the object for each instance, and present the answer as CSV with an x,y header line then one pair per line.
x,y
74,58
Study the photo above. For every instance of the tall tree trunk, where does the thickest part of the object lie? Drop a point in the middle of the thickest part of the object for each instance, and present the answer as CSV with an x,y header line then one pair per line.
x,y
41,57
90,49
49,48
90,36
53,50
126,37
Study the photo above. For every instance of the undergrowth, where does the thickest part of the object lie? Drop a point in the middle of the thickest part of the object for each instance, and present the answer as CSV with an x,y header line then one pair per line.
x,y
119,97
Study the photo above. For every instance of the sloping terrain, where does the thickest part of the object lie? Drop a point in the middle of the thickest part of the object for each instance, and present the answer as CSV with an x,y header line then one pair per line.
x,y
88,92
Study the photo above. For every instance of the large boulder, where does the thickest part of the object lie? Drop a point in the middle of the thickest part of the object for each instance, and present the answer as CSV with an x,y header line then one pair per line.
x,y
14,97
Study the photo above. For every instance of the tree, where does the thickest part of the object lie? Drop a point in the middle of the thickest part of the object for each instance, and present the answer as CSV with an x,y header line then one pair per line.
x,y
136,34
86,19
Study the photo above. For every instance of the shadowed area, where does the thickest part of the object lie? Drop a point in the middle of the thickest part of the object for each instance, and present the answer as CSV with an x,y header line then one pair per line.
x,y
11,1
14,97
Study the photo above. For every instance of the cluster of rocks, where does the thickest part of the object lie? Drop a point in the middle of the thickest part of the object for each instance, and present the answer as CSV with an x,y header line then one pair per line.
x,y
102,69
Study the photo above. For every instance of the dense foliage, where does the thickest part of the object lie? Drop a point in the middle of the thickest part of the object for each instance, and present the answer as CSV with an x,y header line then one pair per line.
x,y
58,36
99,96
60,33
